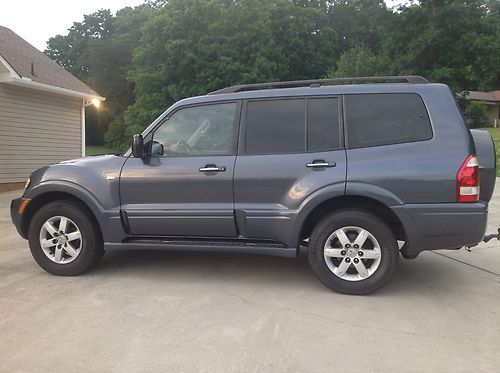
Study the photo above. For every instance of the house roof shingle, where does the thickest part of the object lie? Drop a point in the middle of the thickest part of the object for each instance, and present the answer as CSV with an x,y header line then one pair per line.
x,y
20,54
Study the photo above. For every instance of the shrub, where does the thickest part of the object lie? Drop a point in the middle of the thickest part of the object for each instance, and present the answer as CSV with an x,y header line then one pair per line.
x,y
477,114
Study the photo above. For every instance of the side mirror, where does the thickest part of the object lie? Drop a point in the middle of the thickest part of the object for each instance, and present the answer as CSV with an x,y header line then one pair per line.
x,y
138,146
156,148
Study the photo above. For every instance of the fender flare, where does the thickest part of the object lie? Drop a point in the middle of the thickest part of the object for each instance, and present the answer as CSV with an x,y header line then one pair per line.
x,y
375,192
102,216
310,203
348,189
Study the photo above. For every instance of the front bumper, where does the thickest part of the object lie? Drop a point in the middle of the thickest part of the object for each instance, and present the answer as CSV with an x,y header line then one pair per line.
x,y
16,214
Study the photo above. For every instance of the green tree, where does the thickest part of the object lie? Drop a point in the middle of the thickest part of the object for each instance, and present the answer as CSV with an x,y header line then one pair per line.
x,y
145,58
69,50
360,22
196,46
99,52
447,41
128,25
360,61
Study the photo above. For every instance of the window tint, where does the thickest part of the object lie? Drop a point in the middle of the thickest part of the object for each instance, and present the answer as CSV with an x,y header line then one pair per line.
x,y
279,126
323,131
275,126
383,119
197,130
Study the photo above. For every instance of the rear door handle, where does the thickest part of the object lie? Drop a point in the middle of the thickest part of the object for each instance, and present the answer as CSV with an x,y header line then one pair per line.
x,y
212,168
320,163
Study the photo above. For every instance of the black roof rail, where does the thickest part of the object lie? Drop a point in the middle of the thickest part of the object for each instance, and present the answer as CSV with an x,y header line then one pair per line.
x,y
412,79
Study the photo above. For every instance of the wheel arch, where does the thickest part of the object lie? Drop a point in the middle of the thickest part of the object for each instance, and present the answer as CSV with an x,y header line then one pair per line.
x,y
58,192
309,221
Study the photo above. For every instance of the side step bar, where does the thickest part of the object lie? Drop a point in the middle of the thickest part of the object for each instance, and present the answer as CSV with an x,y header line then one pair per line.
x,y
233,246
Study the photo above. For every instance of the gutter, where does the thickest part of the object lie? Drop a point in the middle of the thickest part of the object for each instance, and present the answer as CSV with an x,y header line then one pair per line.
x,y
27,82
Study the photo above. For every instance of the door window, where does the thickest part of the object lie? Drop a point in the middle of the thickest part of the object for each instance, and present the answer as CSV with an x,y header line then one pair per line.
x,y
198,130
323,125
282,126
275,126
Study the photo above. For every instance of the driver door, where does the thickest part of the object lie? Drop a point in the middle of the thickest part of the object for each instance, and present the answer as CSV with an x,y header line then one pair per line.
x,y
185,187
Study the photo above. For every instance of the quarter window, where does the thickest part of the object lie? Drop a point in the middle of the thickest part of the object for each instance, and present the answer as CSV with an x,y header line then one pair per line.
x,y
384,119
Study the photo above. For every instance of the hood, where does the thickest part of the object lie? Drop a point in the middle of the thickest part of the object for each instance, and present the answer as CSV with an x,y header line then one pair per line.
x,y
83,170
87,160
99,176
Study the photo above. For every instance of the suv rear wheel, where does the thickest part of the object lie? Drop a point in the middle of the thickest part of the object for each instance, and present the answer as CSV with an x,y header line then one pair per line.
x,y
64,239
353,252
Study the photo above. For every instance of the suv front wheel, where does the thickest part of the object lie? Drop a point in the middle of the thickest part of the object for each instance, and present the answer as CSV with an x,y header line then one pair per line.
x,y
353,252
64,239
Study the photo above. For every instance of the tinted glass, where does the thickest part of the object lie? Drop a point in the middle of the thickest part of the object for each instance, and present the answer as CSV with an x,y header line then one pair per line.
x,y
275,126
323,131
383,119
198,130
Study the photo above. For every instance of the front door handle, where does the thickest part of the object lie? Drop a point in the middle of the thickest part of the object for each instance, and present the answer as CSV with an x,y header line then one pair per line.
x,y
320,163
212,168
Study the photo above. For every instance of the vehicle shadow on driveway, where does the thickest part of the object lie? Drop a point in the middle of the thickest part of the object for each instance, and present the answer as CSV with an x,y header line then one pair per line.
x,y
427,272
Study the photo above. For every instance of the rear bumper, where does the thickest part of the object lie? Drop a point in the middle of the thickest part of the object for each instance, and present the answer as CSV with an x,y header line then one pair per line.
x,y
15,216
443,226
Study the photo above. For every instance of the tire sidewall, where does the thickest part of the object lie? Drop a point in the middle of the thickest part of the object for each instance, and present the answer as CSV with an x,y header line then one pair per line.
x,y
388,246
90,242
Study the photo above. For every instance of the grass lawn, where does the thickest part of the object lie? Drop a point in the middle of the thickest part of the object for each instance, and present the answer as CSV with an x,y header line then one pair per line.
x,y
495,133
98,150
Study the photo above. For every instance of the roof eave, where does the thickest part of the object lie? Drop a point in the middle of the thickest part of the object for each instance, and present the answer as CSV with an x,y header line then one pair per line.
x,y
484,100
24,82
11,73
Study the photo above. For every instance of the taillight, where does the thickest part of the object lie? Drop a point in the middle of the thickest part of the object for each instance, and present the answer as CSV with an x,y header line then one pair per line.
x,y
468,180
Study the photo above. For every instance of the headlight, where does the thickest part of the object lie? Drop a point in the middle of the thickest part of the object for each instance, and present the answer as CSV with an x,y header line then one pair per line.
x,y
27,183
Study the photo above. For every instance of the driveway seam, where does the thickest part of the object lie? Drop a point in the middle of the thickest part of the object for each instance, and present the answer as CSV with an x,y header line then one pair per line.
x,y
467,264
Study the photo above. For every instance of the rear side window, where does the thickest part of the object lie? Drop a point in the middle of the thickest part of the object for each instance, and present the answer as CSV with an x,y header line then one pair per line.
x,y
384,119
282,125
323,130
275,126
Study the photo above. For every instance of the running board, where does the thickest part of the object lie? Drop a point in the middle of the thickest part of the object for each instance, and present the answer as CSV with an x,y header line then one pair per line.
x,y
232,246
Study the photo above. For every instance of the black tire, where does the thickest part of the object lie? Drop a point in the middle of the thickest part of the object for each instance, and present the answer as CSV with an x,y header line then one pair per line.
x,y
91,243
389,253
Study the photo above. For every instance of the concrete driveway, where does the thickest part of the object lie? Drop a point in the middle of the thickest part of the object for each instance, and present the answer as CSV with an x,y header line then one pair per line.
x,y
187,312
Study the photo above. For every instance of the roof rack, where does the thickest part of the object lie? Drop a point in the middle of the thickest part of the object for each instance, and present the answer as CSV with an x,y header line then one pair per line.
x,y
412,79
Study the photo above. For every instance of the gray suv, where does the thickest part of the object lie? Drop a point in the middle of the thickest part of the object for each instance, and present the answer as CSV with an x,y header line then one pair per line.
x,y
355,173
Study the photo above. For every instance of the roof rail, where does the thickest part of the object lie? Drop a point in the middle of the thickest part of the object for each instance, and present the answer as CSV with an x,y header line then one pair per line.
x,y
412,79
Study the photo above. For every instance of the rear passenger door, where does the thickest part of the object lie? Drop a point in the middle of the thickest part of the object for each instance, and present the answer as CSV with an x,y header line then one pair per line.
x,y
288,149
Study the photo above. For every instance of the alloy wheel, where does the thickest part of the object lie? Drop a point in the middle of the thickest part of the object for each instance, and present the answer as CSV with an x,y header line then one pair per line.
x,y
60,239
352,253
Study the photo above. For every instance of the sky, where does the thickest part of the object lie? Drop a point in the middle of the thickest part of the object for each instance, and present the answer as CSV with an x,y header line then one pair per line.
x,y
38,20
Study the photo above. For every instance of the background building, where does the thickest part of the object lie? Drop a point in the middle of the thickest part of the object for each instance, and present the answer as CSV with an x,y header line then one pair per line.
x,y
42,110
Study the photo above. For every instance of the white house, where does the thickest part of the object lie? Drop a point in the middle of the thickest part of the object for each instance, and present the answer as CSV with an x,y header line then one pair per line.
x,y
42,110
